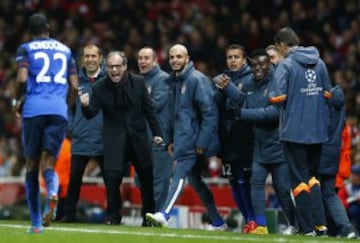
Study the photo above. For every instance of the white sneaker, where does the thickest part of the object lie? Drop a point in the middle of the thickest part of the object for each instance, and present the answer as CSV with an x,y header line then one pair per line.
x,y
311,233
290,230
351,235
222,227
157,219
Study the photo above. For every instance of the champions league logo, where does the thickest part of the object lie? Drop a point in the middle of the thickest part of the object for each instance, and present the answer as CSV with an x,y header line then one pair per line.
x,y
312,88
310,75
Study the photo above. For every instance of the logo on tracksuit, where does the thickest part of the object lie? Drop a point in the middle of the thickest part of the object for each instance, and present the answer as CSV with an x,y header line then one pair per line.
x,y
310,75
312,88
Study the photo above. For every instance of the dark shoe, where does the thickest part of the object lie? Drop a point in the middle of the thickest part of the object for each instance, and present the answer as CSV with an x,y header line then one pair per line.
x,y
146,223
112,222
66,219
321,230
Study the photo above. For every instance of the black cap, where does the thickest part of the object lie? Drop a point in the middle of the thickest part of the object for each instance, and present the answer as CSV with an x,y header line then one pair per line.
x,y
38,24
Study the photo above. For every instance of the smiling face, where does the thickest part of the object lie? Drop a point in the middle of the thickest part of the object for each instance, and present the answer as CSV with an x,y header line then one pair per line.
x,y
91,59
178,58
260,66
146,60
115,67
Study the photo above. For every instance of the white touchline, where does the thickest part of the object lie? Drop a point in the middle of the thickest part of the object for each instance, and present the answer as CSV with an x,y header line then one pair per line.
x,y
170,235
239,237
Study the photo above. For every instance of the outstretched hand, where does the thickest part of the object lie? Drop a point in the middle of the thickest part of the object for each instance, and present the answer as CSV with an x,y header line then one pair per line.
x,y
84,97
222,82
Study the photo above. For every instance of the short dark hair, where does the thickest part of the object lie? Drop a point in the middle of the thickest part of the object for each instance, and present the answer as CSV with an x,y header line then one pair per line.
x,y
258,52
38,24
90,45
286,36
237,46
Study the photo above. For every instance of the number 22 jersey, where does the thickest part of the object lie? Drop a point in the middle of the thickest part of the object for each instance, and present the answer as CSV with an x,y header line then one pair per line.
x,y
49,63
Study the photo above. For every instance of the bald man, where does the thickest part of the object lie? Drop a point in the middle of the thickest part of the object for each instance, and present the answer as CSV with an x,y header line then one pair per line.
x,y
158,88
194,120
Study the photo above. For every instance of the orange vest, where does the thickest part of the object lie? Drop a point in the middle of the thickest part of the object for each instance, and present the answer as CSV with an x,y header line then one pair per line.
x,y
62,168
345,157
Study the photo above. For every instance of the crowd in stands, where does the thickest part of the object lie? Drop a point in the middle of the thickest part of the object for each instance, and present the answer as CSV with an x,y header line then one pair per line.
x,y
206,28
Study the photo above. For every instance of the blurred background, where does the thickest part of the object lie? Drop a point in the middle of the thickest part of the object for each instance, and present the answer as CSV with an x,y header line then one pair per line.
x,y
206,28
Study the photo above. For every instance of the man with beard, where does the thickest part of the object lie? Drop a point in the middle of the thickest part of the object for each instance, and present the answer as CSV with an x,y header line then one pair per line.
x,y
193,123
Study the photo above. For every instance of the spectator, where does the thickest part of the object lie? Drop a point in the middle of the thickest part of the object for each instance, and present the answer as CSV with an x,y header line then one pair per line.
x,y
126,106
44,66
86,135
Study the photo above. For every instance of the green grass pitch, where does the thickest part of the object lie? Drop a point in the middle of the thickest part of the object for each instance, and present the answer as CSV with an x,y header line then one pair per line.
x,y
15,232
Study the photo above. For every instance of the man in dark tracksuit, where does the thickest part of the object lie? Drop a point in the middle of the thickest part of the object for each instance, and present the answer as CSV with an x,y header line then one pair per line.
x,y
86,135
268,154
329,166
159,92
127,107
301,88
236,137
193,121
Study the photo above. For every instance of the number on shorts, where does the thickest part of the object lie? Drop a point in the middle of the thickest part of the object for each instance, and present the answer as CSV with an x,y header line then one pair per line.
x,y
226,170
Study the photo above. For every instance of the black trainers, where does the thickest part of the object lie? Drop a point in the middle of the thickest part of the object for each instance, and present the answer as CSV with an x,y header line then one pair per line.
x,y
66,219
321,230
112,222
146,223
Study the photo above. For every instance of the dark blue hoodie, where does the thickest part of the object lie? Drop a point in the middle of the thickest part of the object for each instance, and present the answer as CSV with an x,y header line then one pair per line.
x,y
194,116
236,137
265,118
301,88
158,87
330,154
